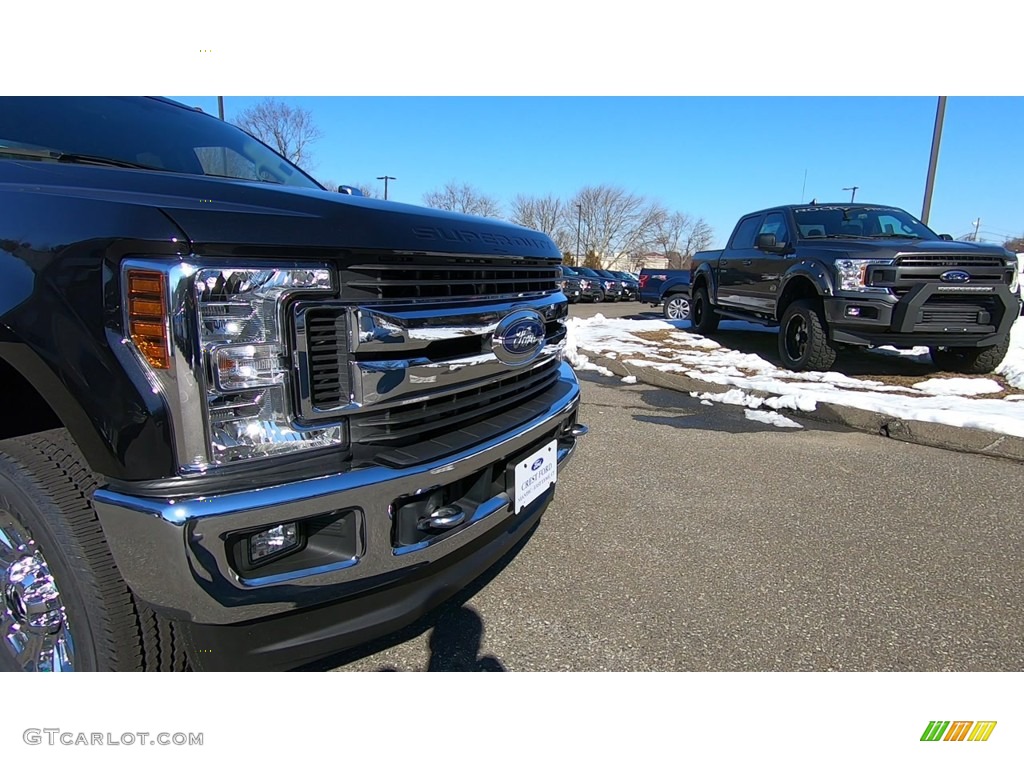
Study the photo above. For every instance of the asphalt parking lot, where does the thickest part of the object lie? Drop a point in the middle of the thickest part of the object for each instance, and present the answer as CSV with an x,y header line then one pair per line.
x,y
684,537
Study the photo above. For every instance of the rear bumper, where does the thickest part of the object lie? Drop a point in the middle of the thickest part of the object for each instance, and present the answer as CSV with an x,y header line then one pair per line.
x,y
176,553
931,314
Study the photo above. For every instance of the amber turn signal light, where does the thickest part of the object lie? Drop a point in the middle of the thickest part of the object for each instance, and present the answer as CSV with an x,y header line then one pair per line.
x,y
147,317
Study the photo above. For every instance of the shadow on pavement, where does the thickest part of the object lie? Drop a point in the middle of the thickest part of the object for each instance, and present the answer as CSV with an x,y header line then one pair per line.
x,y
457,630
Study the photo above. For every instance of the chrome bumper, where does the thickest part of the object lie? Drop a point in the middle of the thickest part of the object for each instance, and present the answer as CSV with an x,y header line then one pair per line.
x,y
174,556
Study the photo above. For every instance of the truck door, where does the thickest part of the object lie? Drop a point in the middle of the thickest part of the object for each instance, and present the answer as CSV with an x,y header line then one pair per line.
x,y
736,271
768,267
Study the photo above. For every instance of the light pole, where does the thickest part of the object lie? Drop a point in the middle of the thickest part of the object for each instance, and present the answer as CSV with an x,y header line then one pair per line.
x,y
852,191
579,221
385,180
220,106
933,160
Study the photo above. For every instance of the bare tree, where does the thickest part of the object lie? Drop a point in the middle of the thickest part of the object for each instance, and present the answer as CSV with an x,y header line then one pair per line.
x,y
463,198
677,236
1015,244
290,130
617,225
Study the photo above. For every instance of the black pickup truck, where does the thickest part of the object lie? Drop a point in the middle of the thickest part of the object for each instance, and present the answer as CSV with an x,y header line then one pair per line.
x,y
251,422
837,275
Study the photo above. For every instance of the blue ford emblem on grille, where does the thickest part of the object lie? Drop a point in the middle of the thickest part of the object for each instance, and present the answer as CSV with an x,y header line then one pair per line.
x,y
955,276
537,464
519,337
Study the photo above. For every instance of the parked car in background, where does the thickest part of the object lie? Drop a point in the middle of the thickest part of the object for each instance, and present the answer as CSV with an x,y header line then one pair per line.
x,y
667,288
571,286
630,285
857,275
591,288
611,286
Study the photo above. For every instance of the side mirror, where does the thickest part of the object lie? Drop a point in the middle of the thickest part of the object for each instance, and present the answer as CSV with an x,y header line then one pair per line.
x,y
766,242
945,237
347,190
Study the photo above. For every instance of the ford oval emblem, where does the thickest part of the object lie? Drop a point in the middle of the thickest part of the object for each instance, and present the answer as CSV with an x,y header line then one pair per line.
x,y
537,464
955,276
519,337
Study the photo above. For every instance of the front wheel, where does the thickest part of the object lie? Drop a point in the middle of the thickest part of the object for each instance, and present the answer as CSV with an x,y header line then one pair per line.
x,y
63,605
970,359
803,341
676,307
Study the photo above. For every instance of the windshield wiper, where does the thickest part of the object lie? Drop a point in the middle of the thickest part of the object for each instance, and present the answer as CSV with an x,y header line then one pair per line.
x,y
899,237
70,157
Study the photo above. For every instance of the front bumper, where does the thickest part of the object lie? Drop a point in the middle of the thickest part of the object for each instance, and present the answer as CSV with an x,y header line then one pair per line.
x,y
930,314
174,553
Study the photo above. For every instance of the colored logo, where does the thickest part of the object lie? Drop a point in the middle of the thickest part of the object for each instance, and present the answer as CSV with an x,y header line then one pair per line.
x,y
519,337
955,276
958,730
537,464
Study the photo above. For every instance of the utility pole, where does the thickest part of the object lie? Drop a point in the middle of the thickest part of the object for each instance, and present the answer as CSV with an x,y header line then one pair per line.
x,y
933,161
852,191
385,180
220,106
579,221
977,226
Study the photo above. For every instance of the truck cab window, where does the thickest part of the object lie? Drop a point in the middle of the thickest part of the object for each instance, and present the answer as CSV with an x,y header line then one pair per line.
x,y
775,224
744,237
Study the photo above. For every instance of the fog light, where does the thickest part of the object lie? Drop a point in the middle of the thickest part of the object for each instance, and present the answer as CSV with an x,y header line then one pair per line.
x,y
273,541
853,311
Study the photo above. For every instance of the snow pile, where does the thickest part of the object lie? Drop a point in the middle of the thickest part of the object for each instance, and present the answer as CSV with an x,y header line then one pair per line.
x,y
629,379
940,401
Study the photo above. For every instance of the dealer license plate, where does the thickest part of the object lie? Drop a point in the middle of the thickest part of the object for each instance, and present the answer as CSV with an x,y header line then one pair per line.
x,y
535,474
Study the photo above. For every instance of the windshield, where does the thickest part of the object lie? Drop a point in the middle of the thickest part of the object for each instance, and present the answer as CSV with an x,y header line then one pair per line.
x,y
587,271
148,133
859,221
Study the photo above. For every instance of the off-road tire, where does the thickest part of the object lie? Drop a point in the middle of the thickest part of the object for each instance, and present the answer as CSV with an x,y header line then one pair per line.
x,y
47,487
970,359
803,339
703,318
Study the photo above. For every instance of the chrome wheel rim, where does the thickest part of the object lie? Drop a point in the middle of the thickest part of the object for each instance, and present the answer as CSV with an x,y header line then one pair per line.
x,y
678,308
34,626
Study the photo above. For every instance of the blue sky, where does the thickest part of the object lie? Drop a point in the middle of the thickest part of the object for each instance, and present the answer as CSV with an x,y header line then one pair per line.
x,y
714,157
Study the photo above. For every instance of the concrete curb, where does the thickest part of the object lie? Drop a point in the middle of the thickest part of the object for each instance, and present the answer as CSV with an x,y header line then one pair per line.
x,y
962,439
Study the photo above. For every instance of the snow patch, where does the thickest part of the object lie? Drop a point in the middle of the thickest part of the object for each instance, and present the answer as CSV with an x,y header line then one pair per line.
x,y
771,417
958,386
629,379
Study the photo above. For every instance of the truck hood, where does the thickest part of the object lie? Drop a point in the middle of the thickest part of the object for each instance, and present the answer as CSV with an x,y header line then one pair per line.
x,y
887,248
213,211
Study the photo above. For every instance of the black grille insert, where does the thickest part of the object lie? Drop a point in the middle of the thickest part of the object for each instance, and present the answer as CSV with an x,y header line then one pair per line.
x,y
327,340
404,425
454,278
948,260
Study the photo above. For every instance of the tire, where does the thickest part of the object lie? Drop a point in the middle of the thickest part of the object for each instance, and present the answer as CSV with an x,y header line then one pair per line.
x,y
970,359
91,620
803,340
703,318
597,298
676,307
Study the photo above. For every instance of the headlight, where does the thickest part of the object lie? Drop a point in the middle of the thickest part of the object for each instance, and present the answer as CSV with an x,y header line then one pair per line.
x,y
239,314
213,344
1015,279
584,284
851,274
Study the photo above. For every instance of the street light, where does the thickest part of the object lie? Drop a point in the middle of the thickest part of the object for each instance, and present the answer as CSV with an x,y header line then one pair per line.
x,y
852,191
933,160
579,221
385,180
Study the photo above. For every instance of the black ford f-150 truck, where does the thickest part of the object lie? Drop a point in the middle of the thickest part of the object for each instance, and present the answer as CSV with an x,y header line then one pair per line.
x,y
840,275
251,422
